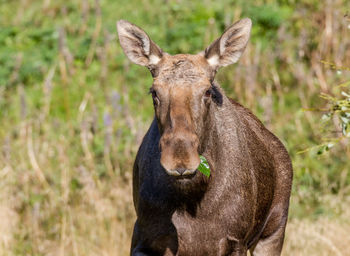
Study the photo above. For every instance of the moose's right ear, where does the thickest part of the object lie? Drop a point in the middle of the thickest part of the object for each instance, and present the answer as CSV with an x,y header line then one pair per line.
x,y
136,44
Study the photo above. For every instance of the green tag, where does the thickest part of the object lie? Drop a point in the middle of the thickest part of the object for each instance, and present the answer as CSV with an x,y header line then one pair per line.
x,y
204,166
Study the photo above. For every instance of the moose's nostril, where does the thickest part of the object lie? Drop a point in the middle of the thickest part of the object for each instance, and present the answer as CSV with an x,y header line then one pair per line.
x,y
184,171
181,170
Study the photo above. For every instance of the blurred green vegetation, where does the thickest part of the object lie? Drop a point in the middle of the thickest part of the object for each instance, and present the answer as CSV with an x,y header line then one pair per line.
x,y
73,109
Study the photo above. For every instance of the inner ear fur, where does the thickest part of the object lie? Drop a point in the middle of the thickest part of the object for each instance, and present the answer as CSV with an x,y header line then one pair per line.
x,y
228,48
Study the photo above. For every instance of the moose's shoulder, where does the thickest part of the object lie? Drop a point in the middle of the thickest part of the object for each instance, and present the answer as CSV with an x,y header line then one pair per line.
x,y
248,115
272,142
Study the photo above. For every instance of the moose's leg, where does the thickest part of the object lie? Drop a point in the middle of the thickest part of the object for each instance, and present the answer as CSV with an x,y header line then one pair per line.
x,y
140,250
270,245
242,252
231,246
145,245
136,248
137,252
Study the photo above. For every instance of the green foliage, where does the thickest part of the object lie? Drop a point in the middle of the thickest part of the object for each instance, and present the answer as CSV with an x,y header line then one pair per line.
x,y
204,166
267,19
336,116
340,109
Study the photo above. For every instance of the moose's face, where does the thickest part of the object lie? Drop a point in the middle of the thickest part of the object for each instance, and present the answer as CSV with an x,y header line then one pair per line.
x,y
183,89
181,92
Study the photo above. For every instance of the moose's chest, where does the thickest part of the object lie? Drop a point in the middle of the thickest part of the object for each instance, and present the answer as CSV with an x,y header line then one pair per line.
x,y
215,226
197,234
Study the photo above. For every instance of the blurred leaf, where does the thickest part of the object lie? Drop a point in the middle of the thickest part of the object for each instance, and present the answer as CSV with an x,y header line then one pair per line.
x,y
204,166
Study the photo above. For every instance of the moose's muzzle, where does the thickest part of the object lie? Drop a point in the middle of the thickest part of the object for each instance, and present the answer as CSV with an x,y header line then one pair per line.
x,y
179,153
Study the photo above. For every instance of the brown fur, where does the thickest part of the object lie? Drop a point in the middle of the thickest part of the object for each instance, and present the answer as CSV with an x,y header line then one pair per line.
x,y
244,203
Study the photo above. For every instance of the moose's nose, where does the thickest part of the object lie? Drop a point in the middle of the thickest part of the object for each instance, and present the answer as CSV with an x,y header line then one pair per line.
x,y
179,153
181,171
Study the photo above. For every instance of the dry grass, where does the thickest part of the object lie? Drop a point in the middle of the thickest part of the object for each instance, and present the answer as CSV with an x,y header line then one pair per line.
x,y
101,223
39,218
53,203
322,237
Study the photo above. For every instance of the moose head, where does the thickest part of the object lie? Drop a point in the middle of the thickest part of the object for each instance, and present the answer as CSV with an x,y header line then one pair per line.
x,y
183,89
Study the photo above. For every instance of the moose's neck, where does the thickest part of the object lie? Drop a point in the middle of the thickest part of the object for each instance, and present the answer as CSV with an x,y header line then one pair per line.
x,y
223,143
223,146
220,126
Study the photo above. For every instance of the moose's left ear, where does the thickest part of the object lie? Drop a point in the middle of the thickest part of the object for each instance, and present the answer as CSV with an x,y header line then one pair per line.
x,y
228,48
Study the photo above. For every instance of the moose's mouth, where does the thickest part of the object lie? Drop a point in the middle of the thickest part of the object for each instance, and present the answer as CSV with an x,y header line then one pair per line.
x,y
181,173
187,177
184,178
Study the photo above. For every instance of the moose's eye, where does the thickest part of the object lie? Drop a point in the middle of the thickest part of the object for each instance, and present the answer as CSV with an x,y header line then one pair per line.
x,y
154,96
207,93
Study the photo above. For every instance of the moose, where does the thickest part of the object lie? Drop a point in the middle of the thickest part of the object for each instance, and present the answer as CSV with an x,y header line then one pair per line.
x,y
243,205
